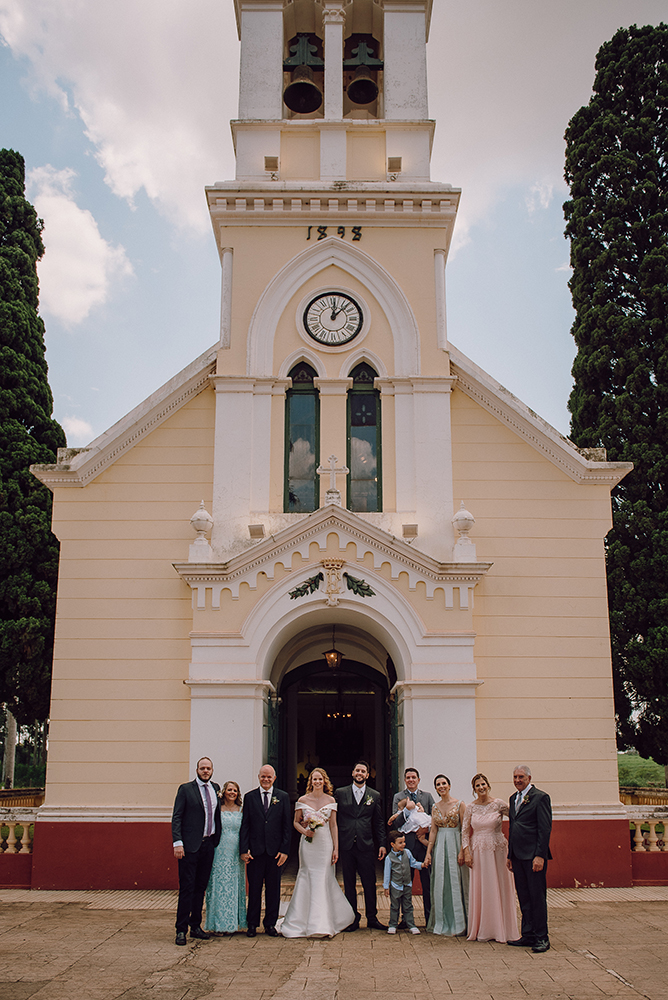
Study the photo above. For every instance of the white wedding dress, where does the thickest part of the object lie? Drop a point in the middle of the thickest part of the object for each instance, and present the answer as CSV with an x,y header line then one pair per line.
x,y
318,907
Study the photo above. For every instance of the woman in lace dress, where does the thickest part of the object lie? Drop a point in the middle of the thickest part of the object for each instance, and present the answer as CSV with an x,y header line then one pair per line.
x,y
318,907
449,875
492,908
226,891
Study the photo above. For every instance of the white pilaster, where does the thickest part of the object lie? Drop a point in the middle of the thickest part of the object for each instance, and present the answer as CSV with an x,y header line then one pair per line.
x,y
440,257
405,58
226,263
261,66
433,465
333,21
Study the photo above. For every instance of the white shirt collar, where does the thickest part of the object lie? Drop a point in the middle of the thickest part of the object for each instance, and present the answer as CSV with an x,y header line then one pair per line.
x,y
269,792
203,784
523,795
359,790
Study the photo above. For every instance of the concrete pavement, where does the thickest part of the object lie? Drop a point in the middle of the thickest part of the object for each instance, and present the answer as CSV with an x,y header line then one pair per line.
x,y
56,947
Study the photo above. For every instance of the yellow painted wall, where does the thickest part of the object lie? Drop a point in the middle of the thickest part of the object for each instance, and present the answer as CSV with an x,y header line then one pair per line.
x,y
542,646
120,718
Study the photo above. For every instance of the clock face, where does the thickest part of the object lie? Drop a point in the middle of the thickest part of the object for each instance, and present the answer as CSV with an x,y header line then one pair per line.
x,y
333,318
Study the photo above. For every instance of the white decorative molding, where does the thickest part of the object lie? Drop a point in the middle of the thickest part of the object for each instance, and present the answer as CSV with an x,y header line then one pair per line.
x,y
310,262
104,814
368,358
265,556
78,466
512,412
586,810
302,354
338,203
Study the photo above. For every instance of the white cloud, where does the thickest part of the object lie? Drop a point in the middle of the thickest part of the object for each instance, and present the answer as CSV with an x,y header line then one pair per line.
x,y
79,266
78,431
154,83
540,196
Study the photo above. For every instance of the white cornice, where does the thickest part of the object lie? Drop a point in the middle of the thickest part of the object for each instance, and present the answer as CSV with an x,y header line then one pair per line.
x,y
284,203
78,466
510,410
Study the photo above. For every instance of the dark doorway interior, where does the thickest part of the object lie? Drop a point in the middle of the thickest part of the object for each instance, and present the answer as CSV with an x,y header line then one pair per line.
x,y
332,718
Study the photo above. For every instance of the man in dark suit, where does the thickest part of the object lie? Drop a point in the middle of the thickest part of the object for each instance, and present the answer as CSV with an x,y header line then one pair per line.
x,y
195,834
528,854
413,792
360,822
264,843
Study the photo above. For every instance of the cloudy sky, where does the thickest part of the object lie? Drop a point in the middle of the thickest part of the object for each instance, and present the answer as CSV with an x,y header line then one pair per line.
x,y
121,110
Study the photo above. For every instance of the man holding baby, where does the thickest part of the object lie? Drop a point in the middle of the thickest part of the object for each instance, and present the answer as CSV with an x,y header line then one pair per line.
x,y
416,841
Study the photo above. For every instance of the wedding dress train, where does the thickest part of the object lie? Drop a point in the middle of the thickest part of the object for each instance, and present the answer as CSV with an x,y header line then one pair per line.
x,y
318,907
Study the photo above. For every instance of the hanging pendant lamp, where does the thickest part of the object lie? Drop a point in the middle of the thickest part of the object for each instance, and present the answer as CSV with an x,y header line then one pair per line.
x,y
332,656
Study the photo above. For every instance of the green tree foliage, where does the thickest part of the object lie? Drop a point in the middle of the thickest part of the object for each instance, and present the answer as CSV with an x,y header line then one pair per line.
x,y
28,434
617,221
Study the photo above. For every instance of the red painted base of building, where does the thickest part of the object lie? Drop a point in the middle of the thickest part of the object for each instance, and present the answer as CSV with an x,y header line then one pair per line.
x,y
103,856
140,856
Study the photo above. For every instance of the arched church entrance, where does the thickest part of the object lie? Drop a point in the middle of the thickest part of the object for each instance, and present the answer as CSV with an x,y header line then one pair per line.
x,y
331,711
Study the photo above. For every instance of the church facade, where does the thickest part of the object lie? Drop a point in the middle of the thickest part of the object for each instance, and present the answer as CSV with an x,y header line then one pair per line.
x,y
332,536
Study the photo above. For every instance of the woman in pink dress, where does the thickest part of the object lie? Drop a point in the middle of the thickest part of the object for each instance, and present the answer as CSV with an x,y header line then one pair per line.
x,y
492,907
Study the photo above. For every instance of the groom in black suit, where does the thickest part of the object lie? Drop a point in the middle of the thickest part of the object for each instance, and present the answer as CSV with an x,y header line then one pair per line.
x,y
195,835
264,843
528,854
360,822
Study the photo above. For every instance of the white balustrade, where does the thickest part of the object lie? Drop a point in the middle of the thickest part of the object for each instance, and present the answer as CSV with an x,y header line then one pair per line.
x,y
17,825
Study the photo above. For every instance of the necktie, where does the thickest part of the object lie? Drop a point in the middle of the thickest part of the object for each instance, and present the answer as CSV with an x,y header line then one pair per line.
x,y
413,796
266,801
208,826
520,800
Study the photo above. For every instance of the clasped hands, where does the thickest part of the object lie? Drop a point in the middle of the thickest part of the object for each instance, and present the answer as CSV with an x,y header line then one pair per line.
x,y
280,858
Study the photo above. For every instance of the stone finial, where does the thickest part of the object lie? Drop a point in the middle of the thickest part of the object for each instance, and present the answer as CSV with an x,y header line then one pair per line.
x,y
464,549
202,523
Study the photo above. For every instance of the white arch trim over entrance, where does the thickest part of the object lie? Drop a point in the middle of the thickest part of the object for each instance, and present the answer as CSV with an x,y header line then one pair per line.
x,y
288,281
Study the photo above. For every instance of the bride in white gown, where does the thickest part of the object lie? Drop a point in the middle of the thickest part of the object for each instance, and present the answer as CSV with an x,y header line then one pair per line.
x,y
318,907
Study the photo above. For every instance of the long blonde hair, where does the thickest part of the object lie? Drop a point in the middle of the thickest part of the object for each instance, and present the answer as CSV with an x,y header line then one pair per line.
x,y
327,785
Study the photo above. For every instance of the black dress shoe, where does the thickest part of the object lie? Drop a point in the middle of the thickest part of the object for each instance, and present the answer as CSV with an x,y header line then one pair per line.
x,y
180,938
271,931
251,932
376,924
352,927
541,946
197,932
522,942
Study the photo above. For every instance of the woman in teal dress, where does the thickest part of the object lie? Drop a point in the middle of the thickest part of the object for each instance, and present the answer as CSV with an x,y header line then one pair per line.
x,y
449,875
226,891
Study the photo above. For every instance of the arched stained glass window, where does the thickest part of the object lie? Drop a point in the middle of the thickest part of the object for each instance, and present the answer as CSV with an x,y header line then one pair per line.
x,y
302,441
364,440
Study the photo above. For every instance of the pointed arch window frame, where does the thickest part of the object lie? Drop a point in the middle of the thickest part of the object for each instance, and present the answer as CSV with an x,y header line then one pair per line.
x,y
299,390
359,388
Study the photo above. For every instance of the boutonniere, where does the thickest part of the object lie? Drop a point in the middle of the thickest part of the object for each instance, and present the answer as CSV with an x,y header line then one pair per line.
x,y
274,800
368,801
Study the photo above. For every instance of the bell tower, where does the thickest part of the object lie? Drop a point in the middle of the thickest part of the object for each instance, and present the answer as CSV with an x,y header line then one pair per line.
x,y
333,242
340,89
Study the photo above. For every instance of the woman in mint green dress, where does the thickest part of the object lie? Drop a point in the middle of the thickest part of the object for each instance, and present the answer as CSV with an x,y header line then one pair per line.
x,y
226,891
449,875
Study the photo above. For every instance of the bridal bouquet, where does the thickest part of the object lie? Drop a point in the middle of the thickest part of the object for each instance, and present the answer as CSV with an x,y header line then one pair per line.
x,y
313,824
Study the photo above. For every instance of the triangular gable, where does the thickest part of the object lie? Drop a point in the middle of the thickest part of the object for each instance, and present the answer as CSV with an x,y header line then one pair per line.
x,y
510,410
78,466
265,556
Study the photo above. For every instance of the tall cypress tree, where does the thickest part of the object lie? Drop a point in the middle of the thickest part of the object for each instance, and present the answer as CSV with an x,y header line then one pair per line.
x,y
617,221
28,434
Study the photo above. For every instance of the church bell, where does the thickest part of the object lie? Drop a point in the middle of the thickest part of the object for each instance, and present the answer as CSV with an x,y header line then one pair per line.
x,y
302,95
362,89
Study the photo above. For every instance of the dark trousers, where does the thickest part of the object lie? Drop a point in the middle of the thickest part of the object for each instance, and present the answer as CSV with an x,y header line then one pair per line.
x,y
363,861
419,852
194,872
401,899
531,888
263,870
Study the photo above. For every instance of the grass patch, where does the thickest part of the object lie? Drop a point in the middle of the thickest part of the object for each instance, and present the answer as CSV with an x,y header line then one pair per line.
x,y
639,772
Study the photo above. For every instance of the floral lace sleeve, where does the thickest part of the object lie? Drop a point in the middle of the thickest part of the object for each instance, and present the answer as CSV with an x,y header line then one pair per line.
x,y
466,826
503,807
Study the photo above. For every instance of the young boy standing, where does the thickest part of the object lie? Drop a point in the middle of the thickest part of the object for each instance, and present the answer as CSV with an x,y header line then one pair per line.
x,y
398,882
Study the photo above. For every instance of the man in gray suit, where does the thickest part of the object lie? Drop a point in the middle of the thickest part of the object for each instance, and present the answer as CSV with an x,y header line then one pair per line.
x,y
399,817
